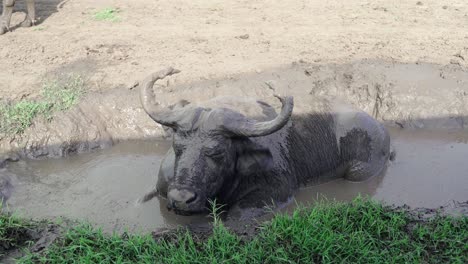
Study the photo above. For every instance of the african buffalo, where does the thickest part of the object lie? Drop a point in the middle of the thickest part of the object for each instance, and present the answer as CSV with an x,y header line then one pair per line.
x,y
220,153
8,11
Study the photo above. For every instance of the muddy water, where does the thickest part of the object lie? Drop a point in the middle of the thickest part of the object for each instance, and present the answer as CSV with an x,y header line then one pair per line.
x,y
430,170
100,187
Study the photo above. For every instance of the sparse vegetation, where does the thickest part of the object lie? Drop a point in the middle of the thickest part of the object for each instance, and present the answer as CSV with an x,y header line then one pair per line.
x,y
39,28
13,232
56,95
107,14
362,231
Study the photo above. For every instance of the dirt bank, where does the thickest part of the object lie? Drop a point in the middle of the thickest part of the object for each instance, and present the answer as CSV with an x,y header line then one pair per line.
x,y
405,95
35,236
202,38
211,41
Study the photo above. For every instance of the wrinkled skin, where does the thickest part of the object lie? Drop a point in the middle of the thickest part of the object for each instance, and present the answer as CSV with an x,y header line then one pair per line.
x,y
243,163
8,5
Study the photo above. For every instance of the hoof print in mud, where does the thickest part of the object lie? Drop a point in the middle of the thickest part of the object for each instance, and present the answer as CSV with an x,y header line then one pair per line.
x,y
219,153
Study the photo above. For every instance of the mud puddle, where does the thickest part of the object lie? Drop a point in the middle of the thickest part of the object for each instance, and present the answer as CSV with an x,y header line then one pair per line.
x,y
100,187
430,170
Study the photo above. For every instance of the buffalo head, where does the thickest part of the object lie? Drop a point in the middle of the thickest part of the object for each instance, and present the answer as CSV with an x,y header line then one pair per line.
x,y
211,147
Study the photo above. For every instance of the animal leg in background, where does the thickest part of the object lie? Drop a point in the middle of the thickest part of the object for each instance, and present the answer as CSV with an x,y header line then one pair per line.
x,y
30,19
6,16
8,5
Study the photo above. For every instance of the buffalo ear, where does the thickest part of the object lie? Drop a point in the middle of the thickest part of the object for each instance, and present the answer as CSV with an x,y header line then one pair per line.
x,y
252,159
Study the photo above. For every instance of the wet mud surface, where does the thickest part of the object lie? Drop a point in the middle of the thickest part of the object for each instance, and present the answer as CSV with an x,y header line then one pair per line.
x,y
430,170
102,184
101,187
402,95
36,238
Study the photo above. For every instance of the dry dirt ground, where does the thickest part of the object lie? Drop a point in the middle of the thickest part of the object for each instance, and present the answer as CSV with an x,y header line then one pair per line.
x,y
405,62
209,39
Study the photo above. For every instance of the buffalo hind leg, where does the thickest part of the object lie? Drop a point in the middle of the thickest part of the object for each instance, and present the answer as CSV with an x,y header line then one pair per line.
x,y
6,16
360,171
30,19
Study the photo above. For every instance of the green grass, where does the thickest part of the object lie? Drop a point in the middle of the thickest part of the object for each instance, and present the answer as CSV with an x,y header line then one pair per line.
x,y
55,96
362,231
39,28
13,232
107,14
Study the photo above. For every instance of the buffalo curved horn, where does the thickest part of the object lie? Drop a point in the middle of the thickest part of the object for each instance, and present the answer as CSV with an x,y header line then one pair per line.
x,y
148,100
247,127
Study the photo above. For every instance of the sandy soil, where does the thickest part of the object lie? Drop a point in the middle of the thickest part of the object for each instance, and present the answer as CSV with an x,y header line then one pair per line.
x,y
215,39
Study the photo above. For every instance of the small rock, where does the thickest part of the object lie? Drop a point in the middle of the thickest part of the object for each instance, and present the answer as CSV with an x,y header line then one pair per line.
x,y
160,232
245,36
271,85
459,55
25,95
454,61
419,3
399,124
135,84
444,7
442,75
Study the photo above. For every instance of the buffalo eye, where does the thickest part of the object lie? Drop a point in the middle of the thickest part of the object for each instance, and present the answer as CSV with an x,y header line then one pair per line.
x,y
215,155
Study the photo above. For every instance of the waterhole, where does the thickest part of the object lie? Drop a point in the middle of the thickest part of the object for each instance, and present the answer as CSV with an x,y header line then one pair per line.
x,y
430,170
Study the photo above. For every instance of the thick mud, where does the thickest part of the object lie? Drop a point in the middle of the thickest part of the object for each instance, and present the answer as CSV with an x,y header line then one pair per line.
x,y
430,170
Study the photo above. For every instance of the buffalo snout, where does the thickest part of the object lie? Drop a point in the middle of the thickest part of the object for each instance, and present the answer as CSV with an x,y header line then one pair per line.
x,y
181,199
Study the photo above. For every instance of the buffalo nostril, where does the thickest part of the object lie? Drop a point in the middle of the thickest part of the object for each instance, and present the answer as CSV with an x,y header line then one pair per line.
x,y
181,196
169,205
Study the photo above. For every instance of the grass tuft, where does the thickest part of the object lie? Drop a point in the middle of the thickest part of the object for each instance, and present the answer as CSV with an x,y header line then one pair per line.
x,y
362,231
14,232
107,14
39,28
15,117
